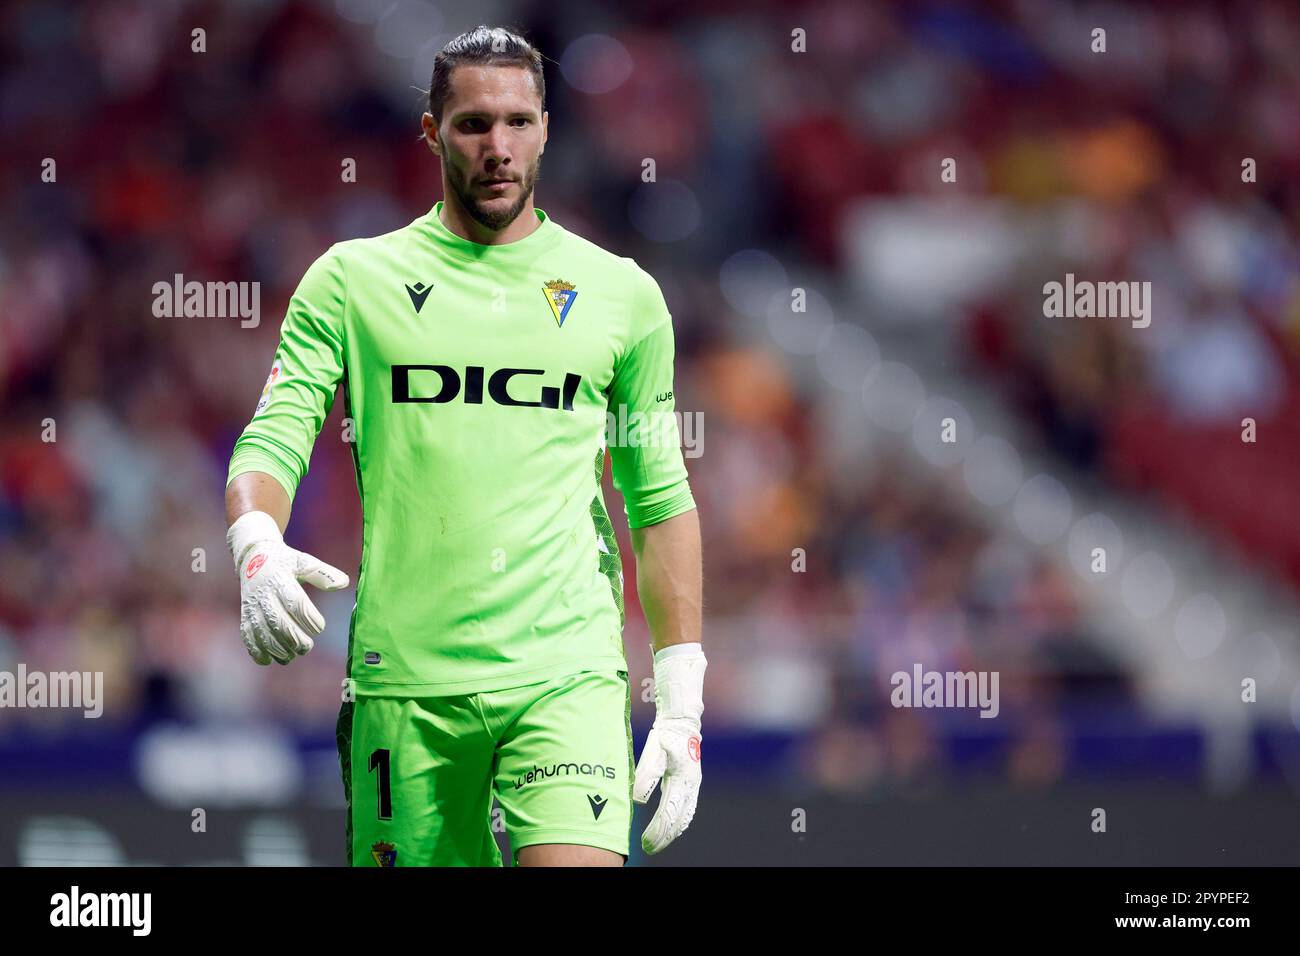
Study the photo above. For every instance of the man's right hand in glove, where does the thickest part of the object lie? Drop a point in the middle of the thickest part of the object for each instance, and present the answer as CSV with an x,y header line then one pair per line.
x,y
276,618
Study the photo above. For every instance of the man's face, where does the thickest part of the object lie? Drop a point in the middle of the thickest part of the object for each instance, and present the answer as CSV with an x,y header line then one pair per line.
x,y
491,140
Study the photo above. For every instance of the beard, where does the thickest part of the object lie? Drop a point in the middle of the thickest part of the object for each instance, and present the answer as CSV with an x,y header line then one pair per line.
x,y
495,219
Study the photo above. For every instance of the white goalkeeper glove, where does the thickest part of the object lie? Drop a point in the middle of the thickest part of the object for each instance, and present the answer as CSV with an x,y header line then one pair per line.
x,y
276,618
672,749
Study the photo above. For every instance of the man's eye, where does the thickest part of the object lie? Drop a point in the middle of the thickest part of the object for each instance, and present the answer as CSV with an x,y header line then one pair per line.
x,y
520,121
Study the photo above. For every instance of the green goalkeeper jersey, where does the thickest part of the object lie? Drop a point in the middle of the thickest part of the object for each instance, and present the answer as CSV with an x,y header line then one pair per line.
x,y
477,381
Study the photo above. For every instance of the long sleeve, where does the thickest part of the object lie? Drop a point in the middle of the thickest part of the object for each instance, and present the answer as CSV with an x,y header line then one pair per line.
x,y
306,372
647,462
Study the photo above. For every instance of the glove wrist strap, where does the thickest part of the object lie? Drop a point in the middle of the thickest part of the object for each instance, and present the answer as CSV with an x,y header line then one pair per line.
x,y
679,683
249,529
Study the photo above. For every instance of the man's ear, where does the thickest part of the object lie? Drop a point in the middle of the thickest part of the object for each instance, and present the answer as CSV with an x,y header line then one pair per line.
x,y
545,120
431,133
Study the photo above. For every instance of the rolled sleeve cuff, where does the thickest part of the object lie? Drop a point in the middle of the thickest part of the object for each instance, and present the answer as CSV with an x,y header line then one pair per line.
x,y
252,458
660,505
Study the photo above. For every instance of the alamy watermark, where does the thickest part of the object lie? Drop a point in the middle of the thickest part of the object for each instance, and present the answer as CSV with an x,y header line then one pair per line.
x,y
179,299
624,429
1100,300
76,690
922,688
132,911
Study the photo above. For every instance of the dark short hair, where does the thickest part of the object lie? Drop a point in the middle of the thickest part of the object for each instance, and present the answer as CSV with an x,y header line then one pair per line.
x,y
482,46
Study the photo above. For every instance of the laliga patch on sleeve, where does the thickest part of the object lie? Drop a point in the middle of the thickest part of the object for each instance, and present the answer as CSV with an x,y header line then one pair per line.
x,y
266,389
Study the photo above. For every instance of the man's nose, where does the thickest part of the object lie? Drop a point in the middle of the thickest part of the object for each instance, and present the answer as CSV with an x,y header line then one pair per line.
x,y
498,144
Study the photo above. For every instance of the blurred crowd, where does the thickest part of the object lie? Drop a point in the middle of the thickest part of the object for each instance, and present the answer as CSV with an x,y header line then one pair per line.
x,y
116,425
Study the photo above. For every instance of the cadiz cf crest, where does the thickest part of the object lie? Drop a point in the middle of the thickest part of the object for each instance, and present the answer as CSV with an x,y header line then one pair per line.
x,y
385,854
560,295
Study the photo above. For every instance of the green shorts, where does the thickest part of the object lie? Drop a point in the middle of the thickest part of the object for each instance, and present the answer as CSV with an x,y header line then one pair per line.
x,y
420,773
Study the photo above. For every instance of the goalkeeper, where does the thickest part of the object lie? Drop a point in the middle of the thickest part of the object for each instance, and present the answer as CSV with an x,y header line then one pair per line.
x,y
479,350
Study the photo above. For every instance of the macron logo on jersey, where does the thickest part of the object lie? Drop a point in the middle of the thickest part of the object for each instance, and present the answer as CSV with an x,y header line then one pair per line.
x,y
418,293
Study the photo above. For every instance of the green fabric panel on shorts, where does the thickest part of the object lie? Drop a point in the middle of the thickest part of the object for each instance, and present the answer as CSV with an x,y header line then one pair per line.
x,y
437,755
548,752
343,740
631,759
563,746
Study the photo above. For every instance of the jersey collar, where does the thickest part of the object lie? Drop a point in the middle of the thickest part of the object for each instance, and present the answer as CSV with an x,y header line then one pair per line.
x,y
521,250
